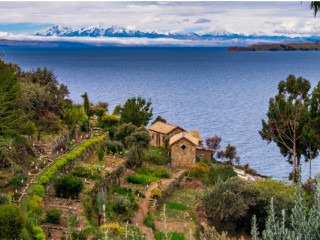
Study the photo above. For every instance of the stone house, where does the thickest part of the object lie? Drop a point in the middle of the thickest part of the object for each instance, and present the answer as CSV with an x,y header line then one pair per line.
x,y
185,147
161,132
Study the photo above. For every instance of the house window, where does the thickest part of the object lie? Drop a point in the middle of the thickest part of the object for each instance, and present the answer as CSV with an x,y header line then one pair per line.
x,y
183,147
152,135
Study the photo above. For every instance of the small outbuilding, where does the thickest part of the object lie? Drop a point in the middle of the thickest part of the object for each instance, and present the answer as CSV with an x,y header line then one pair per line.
x,y
161,132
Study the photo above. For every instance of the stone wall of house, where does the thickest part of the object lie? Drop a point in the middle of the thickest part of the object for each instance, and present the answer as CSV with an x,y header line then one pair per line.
x,y
174,132
154,136
180,157
204,154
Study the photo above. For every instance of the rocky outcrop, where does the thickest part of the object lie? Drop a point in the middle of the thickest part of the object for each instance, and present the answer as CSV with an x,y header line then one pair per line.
x,y
58,144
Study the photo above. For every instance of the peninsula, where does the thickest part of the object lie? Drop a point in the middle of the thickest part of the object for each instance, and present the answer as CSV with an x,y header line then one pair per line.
x,y
305,46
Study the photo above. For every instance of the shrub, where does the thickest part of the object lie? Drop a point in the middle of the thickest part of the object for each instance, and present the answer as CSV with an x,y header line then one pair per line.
x,y
220,171
114,228
177,206
199,171
155,193
160,171
100,153
108,120
38,233
84,171
141,179
68,186
54,215
38,190
112,146
121,204
136,192
17,179
12,221
4,198
171,235
149,221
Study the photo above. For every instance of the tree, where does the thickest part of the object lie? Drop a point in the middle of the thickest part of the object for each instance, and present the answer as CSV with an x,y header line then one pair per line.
x,y
87,108
230,153
47,122
12,221
287,115
159,119
73,116
214,143
315,6
137,111
117,110
125,130
139,141
9,90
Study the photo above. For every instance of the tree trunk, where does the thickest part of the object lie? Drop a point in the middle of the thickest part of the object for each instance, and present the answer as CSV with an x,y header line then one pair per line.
x,y
39,133
310,166
294,161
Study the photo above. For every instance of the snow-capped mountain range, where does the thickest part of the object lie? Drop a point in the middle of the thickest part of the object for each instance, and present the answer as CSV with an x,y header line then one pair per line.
x,y
120,32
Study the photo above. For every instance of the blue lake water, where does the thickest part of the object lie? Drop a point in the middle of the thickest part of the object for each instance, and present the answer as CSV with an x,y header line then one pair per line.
x,y
209,89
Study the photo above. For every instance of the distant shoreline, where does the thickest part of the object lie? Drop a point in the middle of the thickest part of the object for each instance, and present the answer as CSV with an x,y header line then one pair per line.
x,y
306,46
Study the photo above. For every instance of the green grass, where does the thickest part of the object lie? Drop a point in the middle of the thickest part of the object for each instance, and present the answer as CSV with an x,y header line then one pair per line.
x,y
171,235
141,179
156,155
177,206
159,171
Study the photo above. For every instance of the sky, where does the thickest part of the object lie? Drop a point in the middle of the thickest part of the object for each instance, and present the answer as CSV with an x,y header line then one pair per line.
x,y
260,18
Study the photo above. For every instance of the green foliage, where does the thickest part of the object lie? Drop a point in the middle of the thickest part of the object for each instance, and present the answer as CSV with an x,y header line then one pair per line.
x,y
68,159
112,146
121,204
29,128
156,155
68,186
125,130
17,179
160,172
230,153
141,179
229,201
107,121
73,116
85,171
159,119
9,90
177,206
4,198
149,221
100,153
137,111
12,221
38,233
53,215
38,190
137,192
172,236
224,172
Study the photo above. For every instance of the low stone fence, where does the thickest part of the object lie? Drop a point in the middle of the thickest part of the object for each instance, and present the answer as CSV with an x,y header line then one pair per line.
x,y
173,184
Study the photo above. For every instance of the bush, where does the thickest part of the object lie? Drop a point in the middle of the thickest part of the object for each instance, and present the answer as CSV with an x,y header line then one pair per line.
x,y
149,221
121,204
100,153
108,121
54,215
12,221
156,155
160,171
155,193
4,198
136,192
114,228
38,190
220,171
84,171
68,186
38,233
177,206
141,179
112,146
199,171
17,179
171,235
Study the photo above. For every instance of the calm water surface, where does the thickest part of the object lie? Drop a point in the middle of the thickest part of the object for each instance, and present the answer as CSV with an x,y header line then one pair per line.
x,y
217,92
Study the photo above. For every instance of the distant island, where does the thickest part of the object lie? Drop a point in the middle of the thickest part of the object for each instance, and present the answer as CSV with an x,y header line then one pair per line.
x,y
306,46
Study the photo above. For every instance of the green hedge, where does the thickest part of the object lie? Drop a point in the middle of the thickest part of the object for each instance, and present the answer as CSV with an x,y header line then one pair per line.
x,y
68,158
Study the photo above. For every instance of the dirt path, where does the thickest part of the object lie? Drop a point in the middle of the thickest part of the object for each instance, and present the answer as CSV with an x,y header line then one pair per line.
x,y
137,219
